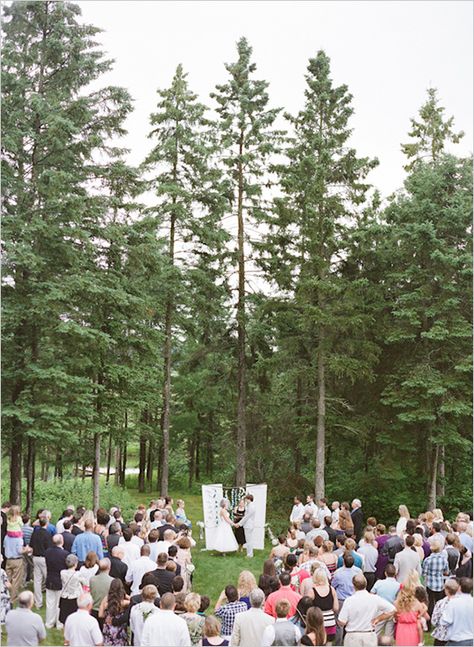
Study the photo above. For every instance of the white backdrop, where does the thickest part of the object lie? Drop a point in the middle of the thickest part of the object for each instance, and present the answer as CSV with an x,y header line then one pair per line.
x,y
211,498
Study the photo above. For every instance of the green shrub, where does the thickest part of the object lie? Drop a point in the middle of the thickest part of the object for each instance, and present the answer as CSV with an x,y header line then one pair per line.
x,y
55,495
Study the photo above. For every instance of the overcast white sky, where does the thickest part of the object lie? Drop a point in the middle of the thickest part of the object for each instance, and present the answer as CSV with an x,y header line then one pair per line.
x,y
388,53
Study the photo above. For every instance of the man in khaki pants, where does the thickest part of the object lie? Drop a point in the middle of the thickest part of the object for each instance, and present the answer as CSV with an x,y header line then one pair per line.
x,y
14,568
40,541
361,612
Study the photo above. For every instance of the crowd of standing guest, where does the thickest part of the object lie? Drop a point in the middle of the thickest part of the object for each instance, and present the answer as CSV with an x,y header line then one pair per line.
x,y
335,577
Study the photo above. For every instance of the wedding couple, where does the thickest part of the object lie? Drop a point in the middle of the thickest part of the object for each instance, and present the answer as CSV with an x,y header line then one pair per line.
x,y
224,540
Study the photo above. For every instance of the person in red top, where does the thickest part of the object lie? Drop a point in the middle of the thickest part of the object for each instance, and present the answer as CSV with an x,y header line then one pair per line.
x,y
297,573
284,592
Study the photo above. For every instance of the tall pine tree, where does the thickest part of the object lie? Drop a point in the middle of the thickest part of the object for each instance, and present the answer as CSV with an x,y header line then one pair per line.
x,y
247,142
323,185
186,185
54,129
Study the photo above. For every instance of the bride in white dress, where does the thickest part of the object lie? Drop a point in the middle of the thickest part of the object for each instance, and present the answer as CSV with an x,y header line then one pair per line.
x,y
224,539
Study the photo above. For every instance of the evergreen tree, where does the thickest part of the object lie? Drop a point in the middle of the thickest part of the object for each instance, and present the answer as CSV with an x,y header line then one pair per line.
x,y
429,284
431,133
247,141
187,187
323,184
53,132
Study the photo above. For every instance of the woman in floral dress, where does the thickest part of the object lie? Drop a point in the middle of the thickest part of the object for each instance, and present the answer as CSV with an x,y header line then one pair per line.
x,y
194,621
110,608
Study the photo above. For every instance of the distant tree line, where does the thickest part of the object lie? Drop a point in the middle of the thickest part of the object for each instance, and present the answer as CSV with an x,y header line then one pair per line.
x,y
265,316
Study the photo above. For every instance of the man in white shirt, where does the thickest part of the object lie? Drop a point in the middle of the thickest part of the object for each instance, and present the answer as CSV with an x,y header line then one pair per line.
x,y
311,507
323,510
361,612
139,612
67,515
250,625
165,628
163,545
131,551
80,628
297,511
157,519
407,560
138,569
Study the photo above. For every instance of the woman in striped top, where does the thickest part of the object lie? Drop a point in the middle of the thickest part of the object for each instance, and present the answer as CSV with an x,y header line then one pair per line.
x,y
325,598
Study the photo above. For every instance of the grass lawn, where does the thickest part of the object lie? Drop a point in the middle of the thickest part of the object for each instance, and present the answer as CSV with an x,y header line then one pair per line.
x,y
213,571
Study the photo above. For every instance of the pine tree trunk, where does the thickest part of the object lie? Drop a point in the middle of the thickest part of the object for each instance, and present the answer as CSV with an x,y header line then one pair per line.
x,y
58,466
434,475
142,462
149,466
160,463
191,461
321,420
109,457
165,416
241,334
198,457
15,469
30,474
118,463
96,474
209,450
299,420
441,471
124,459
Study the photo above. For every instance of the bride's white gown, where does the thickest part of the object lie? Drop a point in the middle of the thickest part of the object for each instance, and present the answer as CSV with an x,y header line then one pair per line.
x,y
224,539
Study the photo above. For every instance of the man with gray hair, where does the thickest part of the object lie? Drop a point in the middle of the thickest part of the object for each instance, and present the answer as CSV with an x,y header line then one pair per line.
x,y
99,586
361,612
250,625
80,628
23,626
357,519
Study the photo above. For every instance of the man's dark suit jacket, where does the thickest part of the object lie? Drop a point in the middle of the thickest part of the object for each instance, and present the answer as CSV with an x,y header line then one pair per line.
x,y
68,539
163,580
118,568
55,562
358,521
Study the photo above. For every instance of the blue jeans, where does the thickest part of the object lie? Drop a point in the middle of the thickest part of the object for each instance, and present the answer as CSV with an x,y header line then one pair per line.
x,y
460,642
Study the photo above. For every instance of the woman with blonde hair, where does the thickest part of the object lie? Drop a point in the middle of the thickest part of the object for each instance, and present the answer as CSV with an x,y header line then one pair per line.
x,y
304,556
419,546
325,598
245,585
212,633
308,584
328,557
195,622
402,521
408,614
438,515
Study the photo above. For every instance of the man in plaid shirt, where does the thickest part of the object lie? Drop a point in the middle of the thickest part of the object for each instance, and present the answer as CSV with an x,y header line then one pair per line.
x,y
435,570
227,612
